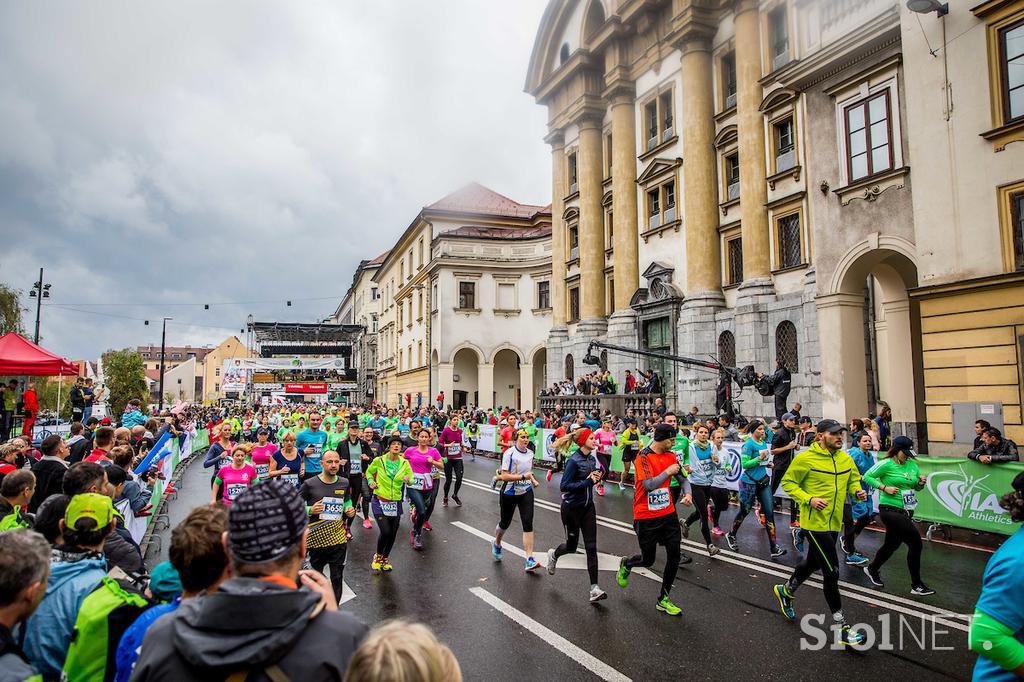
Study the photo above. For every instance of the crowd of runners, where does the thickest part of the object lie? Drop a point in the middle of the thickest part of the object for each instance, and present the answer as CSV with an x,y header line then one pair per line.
x,y
288,482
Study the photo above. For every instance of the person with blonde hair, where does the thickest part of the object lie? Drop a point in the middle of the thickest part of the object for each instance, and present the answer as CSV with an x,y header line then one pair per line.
x,y
400,651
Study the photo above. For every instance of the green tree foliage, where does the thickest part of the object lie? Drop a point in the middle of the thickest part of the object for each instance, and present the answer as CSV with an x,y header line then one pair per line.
x,y
10,310
46,392
125,379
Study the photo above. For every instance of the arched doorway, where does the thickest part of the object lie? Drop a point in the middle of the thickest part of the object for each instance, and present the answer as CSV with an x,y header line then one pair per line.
x,y
870,337
465,382
506,379
570,368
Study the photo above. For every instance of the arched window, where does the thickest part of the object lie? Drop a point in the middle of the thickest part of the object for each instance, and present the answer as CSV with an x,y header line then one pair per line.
x,y
727,349
563,54
786,347
569,367
604,360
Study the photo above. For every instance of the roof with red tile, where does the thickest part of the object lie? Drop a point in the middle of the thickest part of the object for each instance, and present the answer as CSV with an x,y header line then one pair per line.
x,y
379,259
471,231
475,198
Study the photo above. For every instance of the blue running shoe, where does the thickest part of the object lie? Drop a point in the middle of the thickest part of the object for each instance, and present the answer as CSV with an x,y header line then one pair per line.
x,y
785,601
496,550
798,539
531,564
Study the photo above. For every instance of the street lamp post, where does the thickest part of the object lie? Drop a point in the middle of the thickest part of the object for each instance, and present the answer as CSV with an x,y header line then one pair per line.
x,y
163,346
39,291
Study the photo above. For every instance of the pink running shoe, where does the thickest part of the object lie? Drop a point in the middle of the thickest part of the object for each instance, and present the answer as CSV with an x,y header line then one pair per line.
x,y
717,531
367,523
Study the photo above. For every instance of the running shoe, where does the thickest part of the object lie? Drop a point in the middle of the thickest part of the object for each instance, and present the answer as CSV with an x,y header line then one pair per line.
x,y
375,564
795,523
798,539
717,531
685,528
367,523
548,475
412,538
597,594
842,545
785,598
873,576
921,590
856,559
531,565
668,607
444,502
417,542
385,564
496,550
622,576
733,544
713,550
684,558
456,500
777,552
552,560
427,526
348,534
600,490
761,519
851,637
622,486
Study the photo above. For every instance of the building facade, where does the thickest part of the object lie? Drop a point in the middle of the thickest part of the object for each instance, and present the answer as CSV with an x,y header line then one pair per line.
x,y
408,357
361,306
213,363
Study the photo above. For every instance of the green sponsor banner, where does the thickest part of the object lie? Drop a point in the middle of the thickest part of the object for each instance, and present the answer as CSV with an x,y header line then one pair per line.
x,y
963,493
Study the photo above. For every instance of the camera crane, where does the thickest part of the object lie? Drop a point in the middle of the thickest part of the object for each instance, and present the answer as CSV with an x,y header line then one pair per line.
x,y
743,377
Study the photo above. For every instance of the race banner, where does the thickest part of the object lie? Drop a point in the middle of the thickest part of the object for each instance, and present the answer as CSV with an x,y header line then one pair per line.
x,y
488,438
296,363
232,377
545,438
964,493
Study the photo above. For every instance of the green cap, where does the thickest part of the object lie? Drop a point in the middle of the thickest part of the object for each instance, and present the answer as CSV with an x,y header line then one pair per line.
x,y
99,508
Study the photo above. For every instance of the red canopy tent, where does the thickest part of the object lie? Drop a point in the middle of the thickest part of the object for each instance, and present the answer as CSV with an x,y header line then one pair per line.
x,y
19,356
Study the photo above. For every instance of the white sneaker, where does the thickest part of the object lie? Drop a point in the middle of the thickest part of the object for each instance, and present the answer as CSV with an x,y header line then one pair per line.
x,y
622,486
552,560
597,594
713,550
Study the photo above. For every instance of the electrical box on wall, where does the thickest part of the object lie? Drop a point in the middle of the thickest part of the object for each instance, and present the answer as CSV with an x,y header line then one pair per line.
x,y
965,414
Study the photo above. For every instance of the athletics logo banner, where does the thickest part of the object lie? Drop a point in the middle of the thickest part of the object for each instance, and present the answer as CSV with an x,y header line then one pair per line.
x,y
964,493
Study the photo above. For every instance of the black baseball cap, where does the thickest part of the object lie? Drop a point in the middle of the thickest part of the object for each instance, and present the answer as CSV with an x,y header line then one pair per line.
x,y
789,416
262,431
664,432
805,420
830,426
904,445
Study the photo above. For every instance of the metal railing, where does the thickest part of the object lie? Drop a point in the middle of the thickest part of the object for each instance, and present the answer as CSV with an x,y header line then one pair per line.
x,y
618,403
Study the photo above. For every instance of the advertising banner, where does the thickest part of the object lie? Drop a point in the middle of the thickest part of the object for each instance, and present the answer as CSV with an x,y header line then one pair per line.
x,y
232,377
306,388
271,364
488,437
964,493
546,437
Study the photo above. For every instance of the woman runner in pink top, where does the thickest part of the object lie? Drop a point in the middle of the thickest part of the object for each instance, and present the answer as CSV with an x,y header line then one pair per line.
x,y
450,443
605,438
421,458
232,479
262,453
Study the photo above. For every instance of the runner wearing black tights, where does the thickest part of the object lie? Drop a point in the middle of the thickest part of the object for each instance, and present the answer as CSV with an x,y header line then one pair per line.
x,y
719,484
703,464
582,472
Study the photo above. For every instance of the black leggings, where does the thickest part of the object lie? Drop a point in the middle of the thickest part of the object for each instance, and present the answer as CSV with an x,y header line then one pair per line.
x,y
701,497
606,466
899,530
355,493
388,527
419,500
778,471
333,556
821,556
507,505
366,498
663,530
851,528
452,466
580,519
720,502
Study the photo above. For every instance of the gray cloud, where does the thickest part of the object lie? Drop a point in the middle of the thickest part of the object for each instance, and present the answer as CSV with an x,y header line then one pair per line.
x,y
160,153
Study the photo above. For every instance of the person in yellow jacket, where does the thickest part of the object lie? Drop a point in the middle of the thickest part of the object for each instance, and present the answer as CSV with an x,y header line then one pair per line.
x,y
387,477
819,479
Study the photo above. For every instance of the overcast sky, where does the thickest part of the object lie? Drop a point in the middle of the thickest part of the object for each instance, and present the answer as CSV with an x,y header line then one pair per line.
x,y
183,152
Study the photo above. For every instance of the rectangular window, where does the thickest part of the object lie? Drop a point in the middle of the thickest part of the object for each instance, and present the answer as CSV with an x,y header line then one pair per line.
x,y
574,242
790,254
729,79
419,352
868,137
1011,47
216,371
401,269
572,173
609,229
732,176
665,105
610,288
373,294
216,387
574,304
543,295
669,196
421,252
785,145
608,155
506,298
1017,224
779,36
651,119
467,295
734,260
653,208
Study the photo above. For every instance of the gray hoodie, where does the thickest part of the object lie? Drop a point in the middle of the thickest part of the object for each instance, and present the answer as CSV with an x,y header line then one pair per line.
x,y
249,624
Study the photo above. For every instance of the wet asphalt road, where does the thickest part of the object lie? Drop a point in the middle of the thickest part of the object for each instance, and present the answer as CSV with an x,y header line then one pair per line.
x,y
504,624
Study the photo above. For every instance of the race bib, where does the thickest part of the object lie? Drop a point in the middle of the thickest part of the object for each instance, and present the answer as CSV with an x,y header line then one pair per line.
x,y
291,478
658,499
233,490
909,500
388,507
262,470
355,466
521,487
421,482
454,450
436,472
707,466
334,509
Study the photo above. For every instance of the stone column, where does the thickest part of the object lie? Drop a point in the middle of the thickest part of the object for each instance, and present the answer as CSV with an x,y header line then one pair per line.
x,y
592,311
844,386
753,191
558,336
527,390
485,384
697,331
445,382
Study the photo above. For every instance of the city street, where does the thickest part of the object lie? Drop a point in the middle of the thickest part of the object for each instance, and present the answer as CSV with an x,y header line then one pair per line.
x,y
504,624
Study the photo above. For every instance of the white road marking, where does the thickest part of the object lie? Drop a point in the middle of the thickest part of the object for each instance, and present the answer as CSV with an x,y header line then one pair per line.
x,y
892,602
346,593
594,665
605,562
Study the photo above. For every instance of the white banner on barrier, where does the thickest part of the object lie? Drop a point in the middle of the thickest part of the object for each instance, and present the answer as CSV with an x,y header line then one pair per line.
x,y
488,437
548,437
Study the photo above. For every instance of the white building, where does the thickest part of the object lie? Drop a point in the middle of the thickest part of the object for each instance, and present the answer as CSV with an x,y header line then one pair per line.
x,y
361,306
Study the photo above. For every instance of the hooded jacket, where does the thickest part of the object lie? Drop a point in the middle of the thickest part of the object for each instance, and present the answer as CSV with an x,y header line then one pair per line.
x,y
250,624
73,575
14,667
816,472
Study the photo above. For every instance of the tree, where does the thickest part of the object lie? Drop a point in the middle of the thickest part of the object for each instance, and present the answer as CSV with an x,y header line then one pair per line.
x,y
10,310
125,379
47,393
